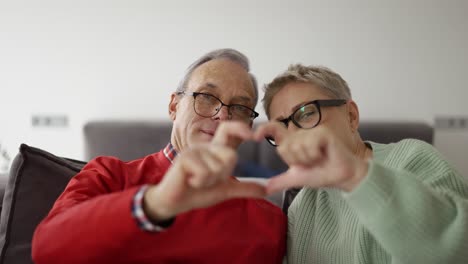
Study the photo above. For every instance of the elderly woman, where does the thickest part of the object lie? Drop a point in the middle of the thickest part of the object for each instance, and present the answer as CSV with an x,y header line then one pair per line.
x,y
362,202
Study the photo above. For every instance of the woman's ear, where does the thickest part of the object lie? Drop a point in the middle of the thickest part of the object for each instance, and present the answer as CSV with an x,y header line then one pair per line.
x,y
353,113
173,106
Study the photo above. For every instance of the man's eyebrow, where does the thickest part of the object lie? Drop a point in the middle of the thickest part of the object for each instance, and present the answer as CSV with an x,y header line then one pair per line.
x,y
210,85
243,99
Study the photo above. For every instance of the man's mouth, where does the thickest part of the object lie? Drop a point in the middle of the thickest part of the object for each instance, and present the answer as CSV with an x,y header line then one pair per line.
x,y
208,132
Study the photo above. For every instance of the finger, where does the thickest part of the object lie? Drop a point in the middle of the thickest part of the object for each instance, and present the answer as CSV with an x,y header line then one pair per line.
x,y
186,166
282,182
228,190
237,189
299,176
294,153
214,166
316,152
195,169
227,157
220,161
217,163
290,150
232,133
273,129
302,149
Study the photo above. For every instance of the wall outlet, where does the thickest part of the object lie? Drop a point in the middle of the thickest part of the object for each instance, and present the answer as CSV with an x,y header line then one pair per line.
x,y
457,123
49,121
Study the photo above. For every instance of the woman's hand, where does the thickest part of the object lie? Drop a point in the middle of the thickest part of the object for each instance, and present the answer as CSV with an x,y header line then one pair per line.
x,y
316,158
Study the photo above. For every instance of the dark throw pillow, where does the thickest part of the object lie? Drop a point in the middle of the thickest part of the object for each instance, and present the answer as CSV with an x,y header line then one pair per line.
x,y
35,181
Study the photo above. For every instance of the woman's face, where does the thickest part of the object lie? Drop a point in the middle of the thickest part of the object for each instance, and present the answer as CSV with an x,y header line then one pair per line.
x,y
343,120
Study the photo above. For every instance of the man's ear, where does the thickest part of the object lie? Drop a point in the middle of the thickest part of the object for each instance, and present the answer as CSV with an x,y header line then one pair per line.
x,y
353,113
173,106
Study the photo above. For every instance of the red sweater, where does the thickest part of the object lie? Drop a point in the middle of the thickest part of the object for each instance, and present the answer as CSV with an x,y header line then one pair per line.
x,y
92,222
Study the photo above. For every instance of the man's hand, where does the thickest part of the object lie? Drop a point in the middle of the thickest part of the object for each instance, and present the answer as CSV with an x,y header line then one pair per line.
x,y
316,158
200,177
232,134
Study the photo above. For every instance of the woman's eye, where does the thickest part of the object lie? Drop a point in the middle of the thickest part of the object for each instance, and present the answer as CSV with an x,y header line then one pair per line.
x,y
307,115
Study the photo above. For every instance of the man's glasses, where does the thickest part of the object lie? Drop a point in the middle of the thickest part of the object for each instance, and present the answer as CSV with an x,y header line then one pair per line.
x,y
208,105
307,115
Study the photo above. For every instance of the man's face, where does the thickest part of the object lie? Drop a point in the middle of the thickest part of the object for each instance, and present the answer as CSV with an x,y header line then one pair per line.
x,y
222,78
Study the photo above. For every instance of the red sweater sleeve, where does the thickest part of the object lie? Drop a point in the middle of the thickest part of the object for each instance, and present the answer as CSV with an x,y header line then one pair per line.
x,y
82,225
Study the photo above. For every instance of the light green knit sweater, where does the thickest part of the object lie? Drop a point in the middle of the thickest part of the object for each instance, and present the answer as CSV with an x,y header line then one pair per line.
x,y
411,208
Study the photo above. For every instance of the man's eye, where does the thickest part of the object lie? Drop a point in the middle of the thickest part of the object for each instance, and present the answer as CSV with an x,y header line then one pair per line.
x,y
207,98
240,109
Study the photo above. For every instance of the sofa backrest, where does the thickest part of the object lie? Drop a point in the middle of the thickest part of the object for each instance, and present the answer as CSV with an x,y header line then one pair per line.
x,y
129,140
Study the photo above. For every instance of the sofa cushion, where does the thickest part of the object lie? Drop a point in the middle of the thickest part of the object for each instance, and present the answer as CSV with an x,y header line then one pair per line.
x,y
35,181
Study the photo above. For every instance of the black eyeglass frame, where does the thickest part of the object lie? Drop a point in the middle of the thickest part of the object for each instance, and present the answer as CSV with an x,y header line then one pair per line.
x,y
318,104
195,94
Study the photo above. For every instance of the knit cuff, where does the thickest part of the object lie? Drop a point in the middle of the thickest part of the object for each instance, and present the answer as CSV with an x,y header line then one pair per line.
x,y
139,214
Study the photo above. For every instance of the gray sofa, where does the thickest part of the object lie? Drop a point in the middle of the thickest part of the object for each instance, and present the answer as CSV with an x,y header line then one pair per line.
x,y
37,177
129,140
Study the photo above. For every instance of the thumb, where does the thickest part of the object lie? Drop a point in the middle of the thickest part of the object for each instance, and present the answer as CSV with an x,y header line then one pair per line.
x,y
237,189
225,191
289,179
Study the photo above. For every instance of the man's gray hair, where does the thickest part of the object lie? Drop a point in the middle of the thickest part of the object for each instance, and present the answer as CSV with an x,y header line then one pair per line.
x,y
324,78
230,54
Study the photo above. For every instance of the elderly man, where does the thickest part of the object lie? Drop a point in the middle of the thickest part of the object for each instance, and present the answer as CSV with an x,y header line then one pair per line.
x,y
174,206
362,202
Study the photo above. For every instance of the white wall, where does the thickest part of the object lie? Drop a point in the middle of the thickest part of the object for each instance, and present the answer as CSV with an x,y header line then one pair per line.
x,y
453,144
96,59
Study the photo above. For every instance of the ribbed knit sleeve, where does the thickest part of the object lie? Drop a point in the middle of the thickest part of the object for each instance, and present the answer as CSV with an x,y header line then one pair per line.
x,y
412,207
415,206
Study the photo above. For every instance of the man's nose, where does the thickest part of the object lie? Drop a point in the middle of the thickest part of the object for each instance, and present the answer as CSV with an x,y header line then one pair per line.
x,y
223,113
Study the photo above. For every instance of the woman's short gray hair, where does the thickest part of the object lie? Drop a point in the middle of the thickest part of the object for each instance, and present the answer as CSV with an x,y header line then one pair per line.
x,y
230,54
329,81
